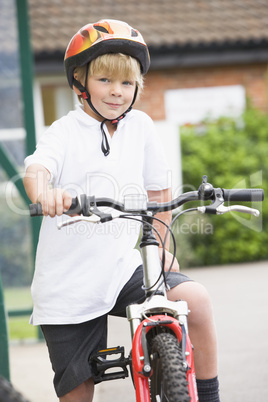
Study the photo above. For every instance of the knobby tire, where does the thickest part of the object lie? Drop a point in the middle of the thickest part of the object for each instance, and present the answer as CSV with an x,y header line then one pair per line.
x,y
8,392
168,382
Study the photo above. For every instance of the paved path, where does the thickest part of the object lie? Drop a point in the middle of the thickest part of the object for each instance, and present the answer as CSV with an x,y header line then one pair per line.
x,y
240,299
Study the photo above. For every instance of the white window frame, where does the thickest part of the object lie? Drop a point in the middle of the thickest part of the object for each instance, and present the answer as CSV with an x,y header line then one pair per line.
x,y
62,103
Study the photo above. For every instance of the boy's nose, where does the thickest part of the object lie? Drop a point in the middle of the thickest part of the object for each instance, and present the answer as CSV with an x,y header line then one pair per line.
x,y
116,89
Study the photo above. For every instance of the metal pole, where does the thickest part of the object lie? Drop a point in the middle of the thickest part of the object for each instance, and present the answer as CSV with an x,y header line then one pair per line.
x,y
4,351
26,63
26,68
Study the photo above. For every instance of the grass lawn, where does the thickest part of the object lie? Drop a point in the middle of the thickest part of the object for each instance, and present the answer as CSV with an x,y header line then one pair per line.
x,y
19,327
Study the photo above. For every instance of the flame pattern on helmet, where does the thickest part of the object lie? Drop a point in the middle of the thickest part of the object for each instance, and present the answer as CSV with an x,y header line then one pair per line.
x,y
87,36
92,34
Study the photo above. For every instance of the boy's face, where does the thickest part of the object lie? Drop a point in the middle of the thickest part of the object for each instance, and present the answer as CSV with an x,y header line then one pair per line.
x,y
110,96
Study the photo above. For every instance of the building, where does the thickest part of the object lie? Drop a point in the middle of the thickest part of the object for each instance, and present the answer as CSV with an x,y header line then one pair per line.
x,y
193,43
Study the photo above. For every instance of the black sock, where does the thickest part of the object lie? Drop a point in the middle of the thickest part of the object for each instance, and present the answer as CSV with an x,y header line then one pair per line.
x,y
208,390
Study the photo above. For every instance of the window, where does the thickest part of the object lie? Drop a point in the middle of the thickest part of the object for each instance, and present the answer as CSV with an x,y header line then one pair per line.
x,y
57,101
193,105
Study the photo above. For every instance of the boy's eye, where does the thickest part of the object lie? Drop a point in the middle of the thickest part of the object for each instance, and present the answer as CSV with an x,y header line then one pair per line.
x,y
104,79
128,83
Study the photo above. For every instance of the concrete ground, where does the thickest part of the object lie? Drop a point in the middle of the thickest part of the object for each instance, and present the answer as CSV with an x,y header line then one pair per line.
x,y
240,298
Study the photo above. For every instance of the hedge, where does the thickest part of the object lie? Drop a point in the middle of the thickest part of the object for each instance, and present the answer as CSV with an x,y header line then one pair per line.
x,y
233,153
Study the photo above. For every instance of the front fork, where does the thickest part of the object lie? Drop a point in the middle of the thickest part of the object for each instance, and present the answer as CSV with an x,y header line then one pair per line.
x,y
141,366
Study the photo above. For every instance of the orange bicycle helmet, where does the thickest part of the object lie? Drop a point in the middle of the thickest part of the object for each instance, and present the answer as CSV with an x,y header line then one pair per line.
x,y
104,36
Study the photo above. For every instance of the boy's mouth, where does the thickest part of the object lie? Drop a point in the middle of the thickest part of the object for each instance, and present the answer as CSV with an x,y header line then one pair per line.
x,y
113,105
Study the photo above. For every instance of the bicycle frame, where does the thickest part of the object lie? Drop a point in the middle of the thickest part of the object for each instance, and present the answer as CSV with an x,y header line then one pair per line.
x,y
163,313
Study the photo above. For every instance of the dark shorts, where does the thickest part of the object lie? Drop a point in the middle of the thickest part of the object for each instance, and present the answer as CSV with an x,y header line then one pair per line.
x,y
70,346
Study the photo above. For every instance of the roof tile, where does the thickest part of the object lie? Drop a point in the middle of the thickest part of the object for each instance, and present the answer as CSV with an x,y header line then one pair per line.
x,y
162,23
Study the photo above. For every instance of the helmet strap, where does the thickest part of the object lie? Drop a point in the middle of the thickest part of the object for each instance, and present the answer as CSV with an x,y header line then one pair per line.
x,y
105,147
81,88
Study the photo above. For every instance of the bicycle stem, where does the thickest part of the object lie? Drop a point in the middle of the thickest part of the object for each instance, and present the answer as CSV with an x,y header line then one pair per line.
x,y
151,261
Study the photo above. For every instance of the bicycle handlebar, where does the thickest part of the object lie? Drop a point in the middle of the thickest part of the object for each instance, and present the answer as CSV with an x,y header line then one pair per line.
x,y
253,194
88,205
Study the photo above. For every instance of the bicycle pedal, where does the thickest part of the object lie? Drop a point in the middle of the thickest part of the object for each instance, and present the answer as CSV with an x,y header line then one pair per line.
x,y
100,364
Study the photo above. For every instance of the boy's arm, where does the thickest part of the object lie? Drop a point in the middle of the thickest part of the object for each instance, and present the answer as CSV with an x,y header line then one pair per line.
x,y
163,196
36,183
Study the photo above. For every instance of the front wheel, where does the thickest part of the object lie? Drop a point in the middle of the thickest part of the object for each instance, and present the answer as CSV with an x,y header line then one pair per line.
x,y
168,382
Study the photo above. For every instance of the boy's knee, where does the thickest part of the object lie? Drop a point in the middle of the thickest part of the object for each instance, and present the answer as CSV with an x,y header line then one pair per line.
x,y
198,299
201,311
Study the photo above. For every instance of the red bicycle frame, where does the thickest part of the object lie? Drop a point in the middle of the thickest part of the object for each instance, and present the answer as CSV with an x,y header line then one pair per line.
x,y
141,381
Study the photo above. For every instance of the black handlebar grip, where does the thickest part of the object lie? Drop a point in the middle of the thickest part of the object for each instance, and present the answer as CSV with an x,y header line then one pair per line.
x,y
36,209
246,194
75,207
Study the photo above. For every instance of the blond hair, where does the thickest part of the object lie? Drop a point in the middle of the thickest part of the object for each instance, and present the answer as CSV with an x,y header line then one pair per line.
x,y
117,65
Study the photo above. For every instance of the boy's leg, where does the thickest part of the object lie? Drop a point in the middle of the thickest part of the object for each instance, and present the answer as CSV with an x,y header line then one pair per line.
x,y
70,347
83,393
203,336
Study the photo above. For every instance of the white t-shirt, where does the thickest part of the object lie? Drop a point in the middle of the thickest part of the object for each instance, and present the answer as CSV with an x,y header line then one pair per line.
x,y
81,268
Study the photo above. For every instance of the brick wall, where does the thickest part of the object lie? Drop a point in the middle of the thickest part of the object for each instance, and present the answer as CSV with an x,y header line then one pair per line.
x,y
253,77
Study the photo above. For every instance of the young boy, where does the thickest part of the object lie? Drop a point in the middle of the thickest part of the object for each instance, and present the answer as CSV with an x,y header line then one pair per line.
x,y
84,273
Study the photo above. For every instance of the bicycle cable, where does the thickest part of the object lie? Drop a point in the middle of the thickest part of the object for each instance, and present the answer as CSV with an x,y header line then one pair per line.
x,y
166,273
128,216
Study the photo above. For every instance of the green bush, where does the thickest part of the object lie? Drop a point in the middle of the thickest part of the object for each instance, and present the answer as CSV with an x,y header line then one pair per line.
x,y
233,154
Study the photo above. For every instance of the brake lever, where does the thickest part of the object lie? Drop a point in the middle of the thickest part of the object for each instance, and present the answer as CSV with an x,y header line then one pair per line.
x,y
92,219
221,209
237,208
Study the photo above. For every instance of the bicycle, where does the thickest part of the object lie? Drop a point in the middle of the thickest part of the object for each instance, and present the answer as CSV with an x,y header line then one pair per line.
x,y
161,360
